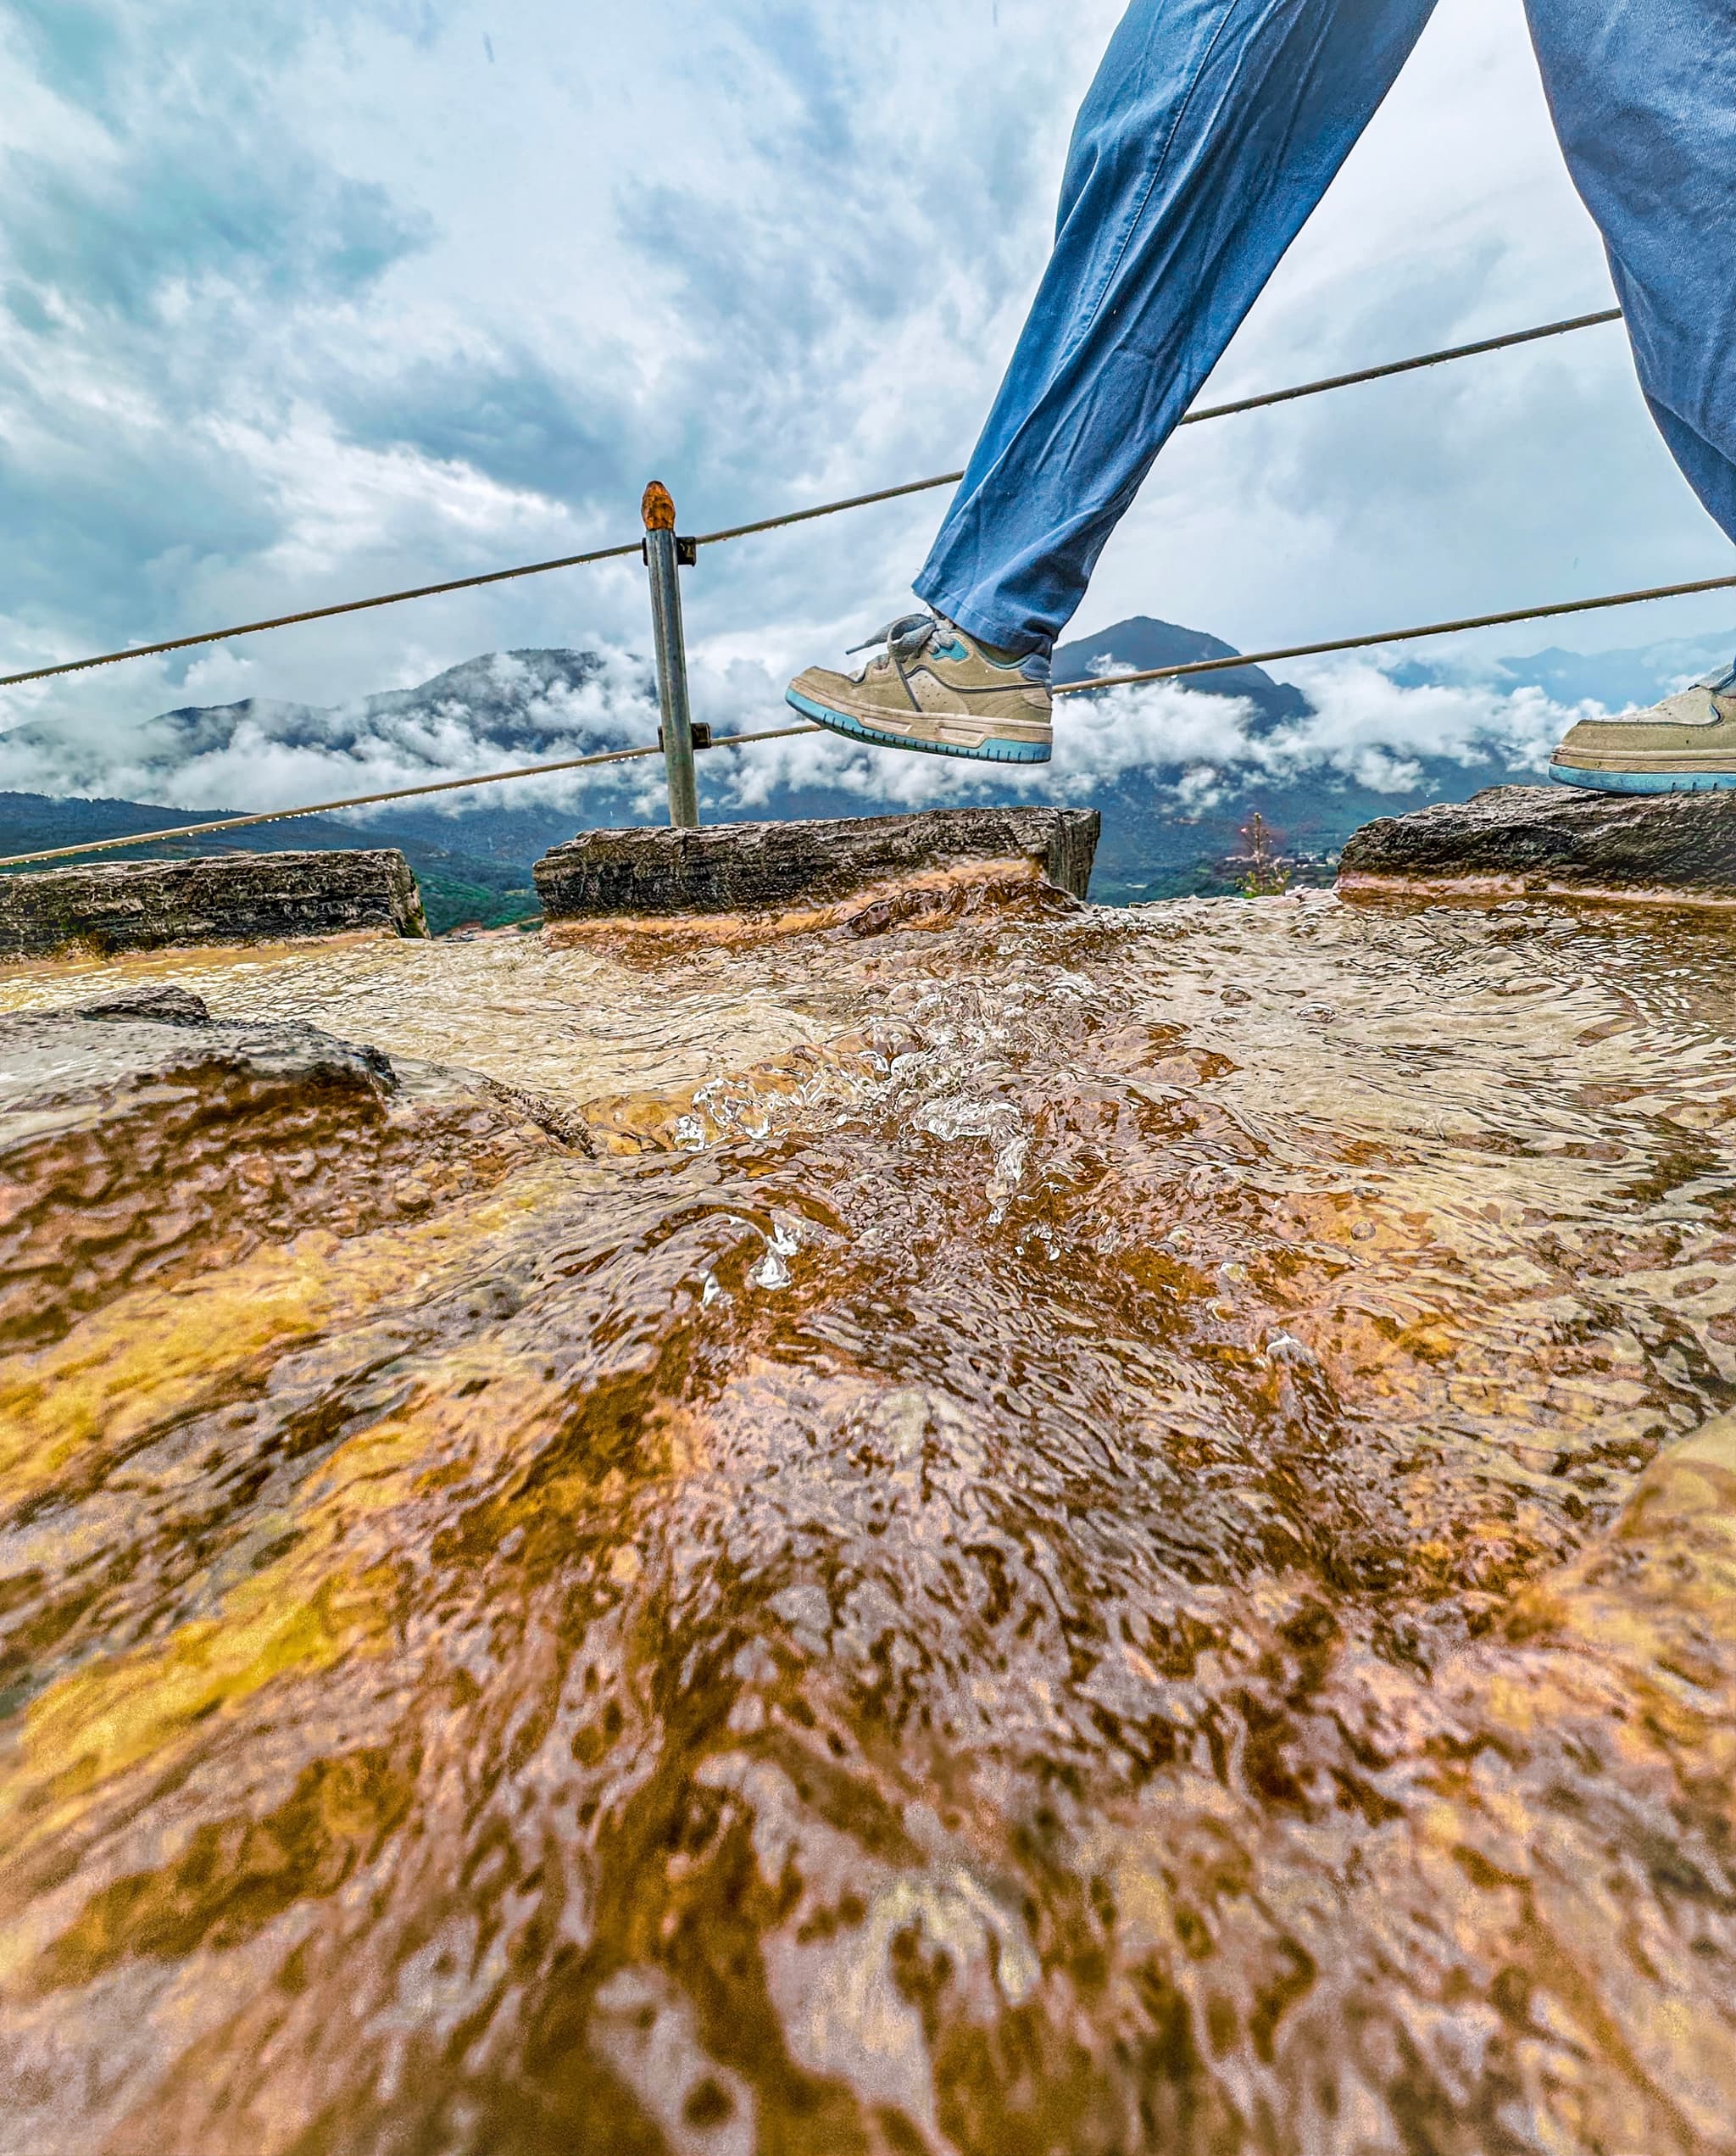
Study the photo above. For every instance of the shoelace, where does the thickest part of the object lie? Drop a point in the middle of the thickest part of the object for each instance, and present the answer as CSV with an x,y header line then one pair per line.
x,y
909,637
906,638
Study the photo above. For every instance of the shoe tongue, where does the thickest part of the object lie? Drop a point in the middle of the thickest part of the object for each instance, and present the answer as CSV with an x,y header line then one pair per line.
x,y
1695,706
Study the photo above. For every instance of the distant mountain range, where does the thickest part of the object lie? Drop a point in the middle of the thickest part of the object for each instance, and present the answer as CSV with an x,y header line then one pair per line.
x,y
1169,823
1618,680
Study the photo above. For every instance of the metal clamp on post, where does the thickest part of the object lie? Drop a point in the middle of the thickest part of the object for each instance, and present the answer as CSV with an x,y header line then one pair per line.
x,y
687,552
664,553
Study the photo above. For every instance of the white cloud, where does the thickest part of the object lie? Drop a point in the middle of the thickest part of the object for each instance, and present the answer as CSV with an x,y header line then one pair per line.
x,y
505,711
1361,711
1365,727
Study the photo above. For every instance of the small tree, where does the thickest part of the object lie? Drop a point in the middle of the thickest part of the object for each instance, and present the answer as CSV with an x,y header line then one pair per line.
x,y
1264,870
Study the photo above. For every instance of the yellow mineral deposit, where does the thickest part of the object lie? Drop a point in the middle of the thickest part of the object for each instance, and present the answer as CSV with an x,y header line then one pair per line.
x,y
1078,1531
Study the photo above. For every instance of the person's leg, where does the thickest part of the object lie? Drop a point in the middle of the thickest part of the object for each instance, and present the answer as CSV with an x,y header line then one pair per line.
x,y
1212,129
1643,97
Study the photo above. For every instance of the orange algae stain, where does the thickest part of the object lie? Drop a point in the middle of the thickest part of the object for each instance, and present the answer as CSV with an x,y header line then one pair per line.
x,y
156,1354
92,1727
124,1369
234,1876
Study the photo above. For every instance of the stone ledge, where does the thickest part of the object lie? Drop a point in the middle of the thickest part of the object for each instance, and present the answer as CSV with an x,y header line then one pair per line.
x,y
1560,841
199,1133
749,867
214,899
84,1067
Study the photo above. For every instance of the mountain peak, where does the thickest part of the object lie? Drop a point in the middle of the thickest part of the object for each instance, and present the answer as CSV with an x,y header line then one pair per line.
x,y
1143,640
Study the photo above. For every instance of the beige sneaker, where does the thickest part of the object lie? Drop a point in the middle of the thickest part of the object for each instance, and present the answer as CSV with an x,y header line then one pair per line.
x,y
1687,744
935,688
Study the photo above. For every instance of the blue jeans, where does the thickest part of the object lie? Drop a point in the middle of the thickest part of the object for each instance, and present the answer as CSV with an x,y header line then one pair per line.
x,y
1213,128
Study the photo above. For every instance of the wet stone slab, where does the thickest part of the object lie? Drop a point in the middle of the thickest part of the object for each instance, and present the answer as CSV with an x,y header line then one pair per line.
x,y
1114,1538
751,867
1517,841
214,899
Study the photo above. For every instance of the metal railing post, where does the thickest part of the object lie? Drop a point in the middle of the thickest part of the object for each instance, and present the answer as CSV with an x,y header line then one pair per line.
x,y
663,559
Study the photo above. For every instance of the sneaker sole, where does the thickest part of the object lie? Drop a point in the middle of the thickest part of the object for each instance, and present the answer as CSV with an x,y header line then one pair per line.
x,y
992,751
1644,781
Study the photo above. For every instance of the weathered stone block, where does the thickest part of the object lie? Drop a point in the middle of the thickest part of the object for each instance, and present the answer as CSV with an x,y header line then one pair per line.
x,y
215,899
1561,840
745,867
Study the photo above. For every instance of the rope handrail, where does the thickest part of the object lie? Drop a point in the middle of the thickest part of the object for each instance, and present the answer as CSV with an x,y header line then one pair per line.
x,y
1398,636
1391,367
780,733
315,613
1194,418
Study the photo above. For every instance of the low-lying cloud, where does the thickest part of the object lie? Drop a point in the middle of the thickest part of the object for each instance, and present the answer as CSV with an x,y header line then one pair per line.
x,y
508,710
1195,746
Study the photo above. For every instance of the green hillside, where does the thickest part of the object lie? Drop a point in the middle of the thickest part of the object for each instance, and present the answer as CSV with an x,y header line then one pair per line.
x,y
458,889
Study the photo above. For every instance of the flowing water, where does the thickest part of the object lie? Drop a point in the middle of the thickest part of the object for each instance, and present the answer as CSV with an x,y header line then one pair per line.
x,y
1085,1532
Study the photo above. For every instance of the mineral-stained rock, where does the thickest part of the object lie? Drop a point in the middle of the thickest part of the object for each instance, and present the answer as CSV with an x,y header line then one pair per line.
x,y
745,867
1513,840
216,899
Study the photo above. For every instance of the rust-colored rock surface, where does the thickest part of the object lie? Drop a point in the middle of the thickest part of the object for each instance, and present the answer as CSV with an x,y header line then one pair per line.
x,y
753,867
1091,1533
216,899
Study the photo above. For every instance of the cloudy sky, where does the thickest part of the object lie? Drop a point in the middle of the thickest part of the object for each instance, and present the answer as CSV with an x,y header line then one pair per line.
x,y
302,299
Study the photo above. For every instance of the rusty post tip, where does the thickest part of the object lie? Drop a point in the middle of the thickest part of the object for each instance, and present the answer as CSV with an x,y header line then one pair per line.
x,y
657,508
